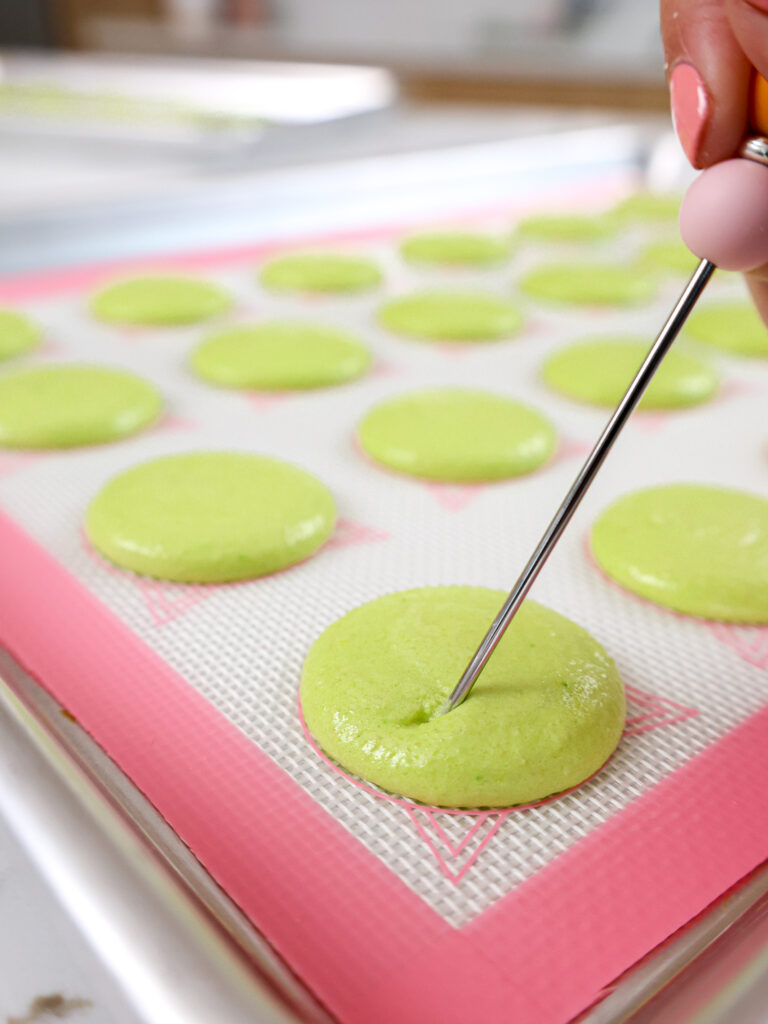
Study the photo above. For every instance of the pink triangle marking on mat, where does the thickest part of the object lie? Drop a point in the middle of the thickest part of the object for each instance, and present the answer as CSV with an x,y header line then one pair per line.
x,y
749,642
264,401
663,711
456,348
572,448
168,601
173,422
651,422
740,388
432,840
12,462
454,497
348,533
384,369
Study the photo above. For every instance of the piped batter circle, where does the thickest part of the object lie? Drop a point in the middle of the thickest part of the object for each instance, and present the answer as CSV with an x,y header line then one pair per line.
x,y
599,372
18,334
160,300
695,549
565,227
545,715
68,406
457,435
280,355
210,517
320,272
452,316
455,248
649,208
734,327
588,284
669,255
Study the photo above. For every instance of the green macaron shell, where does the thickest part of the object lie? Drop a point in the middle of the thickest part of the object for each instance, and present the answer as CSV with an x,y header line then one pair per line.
x,y
66,406
460,316
457,435
588,284
454,248
210,517
734,327
546,713
599,372
320,272
280,355
160,300
699,550
18,334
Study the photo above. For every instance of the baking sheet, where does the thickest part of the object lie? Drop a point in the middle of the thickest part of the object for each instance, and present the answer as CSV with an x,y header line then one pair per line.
x,y
386,908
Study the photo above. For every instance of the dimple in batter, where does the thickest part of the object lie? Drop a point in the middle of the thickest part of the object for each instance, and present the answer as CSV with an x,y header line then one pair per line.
x,y
280,355
457,435
452,316
599,372
68,406
210,517
160,300
696,549
545,715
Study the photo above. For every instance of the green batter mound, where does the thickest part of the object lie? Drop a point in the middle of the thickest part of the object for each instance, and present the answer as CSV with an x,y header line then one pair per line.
x,y
160,301
565,227
320,272
588,284
669,255
280,356
731,326
457,435
455,248
599,372
210,517
546,713
452,316
649,208
70,406
18,334
698,550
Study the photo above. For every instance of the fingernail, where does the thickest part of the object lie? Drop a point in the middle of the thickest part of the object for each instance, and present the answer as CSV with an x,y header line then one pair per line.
x,y
690,108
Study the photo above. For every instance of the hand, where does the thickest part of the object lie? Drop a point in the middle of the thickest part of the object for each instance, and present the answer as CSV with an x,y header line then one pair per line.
x,y
711,47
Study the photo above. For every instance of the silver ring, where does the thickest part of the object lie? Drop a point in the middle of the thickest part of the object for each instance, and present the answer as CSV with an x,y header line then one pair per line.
x,y
755,148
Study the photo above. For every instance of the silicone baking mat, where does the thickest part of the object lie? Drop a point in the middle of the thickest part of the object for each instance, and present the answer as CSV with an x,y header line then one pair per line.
x,y
389,910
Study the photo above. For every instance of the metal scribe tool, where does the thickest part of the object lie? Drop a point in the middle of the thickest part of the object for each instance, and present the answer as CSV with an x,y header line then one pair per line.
x,y
742,235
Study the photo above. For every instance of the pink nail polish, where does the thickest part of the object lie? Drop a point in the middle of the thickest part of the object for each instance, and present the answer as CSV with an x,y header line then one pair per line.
x,y
690,107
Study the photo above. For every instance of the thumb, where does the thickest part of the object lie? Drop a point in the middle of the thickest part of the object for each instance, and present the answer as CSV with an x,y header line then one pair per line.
x,y
708,74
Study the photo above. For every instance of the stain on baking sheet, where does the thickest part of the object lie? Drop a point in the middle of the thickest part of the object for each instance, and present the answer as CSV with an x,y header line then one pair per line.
x,y
50,1007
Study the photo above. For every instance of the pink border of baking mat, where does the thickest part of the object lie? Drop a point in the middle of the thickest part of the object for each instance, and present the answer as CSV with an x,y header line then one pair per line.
x,y
540,955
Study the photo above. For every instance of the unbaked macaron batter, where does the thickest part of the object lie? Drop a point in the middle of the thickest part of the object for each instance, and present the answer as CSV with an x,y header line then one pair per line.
x,y
696,549
452,316
457,435
280,355
455,248
18,334
320,272
210,517
588,284
734,327
160,300
546,713
70,405
599,372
